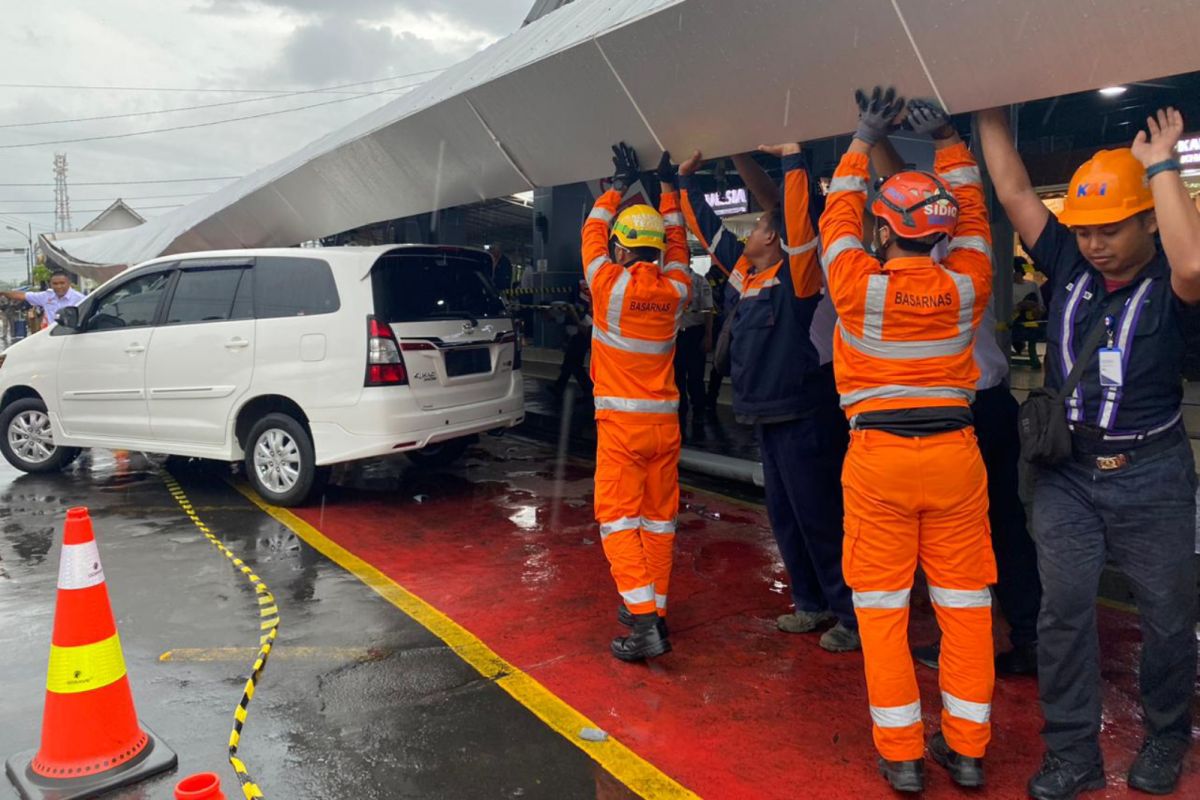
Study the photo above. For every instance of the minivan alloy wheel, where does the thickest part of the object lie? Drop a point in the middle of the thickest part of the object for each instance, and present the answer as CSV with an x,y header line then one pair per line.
x,y
277,460
30,436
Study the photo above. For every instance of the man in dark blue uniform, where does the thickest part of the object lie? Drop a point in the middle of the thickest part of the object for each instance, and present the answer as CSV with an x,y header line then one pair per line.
x,y
779,386
1128,488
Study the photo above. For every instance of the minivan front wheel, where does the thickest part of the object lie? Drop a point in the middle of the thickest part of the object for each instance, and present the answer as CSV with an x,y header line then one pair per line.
x,y
280,461
27,440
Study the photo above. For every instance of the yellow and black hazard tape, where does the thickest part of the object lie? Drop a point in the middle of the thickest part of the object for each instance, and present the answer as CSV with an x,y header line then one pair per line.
x,y
268,612
535,292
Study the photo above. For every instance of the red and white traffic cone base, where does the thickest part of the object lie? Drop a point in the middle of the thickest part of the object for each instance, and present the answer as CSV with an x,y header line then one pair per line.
x,y
91,738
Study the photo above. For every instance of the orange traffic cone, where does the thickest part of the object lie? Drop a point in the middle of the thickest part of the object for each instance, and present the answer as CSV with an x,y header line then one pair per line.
x,y
91,738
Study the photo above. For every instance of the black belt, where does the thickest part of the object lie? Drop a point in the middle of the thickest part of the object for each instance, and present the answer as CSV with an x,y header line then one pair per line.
x,y
915,422
1110,462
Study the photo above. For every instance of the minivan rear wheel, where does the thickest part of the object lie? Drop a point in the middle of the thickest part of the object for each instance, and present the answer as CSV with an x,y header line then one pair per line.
x,y
280,461
27,440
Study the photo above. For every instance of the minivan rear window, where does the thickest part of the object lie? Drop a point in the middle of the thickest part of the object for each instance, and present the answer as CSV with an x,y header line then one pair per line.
x,y
293,287
429,285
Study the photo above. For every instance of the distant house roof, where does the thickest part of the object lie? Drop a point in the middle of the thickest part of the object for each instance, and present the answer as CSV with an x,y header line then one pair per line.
x,y
115,217
118,216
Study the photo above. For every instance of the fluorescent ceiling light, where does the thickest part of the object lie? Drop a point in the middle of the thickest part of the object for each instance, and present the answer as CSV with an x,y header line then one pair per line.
x,y
1113,91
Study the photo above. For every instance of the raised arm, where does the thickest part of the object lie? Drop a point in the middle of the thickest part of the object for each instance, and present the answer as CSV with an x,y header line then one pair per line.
x,y
758,182
802,252
676,257
844,260
970,251
1009,177
885,159
1178,217
702,221
596,260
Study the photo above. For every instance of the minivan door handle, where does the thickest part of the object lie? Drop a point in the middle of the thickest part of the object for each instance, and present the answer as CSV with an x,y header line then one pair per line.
x,y
236,343
135,348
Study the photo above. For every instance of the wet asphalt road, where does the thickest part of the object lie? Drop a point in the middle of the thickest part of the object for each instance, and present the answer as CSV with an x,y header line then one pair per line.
x,y
357,700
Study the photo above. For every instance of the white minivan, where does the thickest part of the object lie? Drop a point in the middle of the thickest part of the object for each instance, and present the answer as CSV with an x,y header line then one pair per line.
x,y
289,359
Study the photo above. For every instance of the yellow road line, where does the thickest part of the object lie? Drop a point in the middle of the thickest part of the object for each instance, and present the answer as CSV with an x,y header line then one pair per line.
x,y
267,610
1117,604
625,765
201,654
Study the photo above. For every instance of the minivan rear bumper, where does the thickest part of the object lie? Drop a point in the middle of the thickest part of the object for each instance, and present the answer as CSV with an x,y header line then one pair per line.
x,y
378,424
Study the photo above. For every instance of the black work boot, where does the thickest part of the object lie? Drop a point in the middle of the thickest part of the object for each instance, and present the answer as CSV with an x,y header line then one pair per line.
x,y
1021,660
928,654
1064,780
904,776
646,640
1158,765
965,770
625,617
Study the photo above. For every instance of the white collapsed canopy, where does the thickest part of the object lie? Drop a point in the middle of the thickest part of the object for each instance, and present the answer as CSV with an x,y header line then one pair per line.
x,y
540,107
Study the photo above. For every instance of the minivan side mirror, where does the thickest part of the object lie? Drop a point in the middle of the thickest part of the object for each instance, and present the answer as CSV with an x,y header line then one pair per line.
x,y
69,318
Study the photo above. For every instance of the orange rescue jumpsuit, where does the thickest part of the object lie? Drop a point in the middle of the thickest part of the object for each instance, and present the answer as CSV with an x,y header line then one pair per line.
x,y
636,312
904,341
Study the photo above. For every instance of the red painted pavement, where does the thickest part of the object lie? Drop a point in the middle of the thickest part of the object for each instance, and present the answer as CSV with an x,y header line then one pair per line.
x,y
738,710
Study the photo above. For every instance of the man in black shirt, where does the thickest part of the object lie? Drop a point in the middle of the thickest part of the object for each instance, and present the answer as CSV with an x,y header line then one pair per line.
x,y
1128,490
502,270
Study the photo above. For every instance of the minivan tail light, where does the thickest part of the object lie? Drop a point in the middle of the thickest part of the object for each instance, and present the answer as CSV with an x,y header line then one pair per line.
x,y
385,367
514,336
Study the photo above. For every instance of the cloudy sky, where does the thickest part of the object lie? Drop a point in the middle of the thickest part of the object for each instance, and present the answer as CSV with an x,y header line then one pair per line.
x,y
270,46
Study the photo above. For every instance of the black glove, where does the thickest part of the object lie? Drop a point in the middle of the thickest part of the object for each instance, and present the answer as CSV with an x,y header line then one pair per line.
x,y
927,117
667,172
626,170
876,114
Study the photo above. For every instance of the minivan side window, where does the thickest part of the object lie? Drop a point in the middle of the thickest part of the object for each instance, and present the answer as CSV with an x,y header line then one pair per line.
x,y
133,304
205,295
293,287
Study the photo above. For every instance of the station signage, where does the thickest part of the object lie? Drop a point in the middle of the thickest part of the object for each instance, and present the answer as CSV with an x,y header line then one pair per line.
x,y
728,203
1188,150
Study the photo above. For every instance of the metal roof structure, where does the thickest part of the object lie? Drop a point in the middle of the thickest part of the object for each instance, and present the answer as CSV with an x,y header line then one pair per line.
x,y
540,107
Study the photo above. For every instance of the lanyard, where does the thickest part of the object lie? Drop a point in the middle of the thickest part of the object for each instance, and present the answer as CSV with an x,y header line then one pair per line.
x,y
1119,333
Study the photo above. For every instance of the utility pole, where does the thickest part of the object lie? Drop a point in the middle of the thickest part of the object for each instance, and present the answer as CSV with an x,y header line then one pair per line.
x,y
62,203
28,234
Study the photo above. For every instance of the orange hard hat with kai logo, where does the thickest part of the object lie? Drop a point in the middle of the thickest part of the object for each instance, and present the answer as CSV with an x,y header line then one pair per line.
x,y
1109,187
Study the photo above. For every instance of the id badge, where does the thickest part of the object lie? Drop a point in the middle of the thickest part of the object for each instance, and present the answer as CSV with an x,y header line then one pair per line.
x,y
1111,371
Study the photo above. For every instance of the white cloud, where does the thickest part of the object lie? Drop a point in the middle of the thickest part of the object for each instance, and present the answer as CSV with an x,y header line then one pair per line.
x,y
269,44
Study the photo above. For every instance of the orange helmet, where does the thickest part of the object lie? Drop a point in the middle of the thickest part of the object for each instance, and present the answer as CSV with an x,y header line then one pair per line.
x,y
1109,187
916,205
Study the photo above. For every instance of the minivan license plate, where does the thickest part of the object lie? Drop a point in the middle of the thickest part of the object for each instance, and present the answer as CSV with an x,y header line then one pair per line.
x,y
468,362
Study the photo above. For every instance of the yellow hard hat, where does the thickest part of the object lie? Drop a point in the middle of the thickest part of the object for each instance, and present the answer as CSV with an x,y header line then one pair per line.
x,y
640,226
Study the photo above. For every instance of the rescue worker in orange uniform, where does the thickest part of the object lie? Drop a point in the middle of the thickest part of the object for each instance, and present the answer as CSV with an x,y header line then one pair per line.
x,y
636,308
914,483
